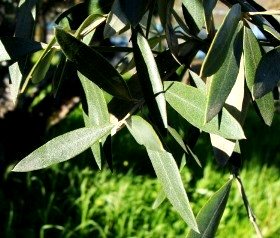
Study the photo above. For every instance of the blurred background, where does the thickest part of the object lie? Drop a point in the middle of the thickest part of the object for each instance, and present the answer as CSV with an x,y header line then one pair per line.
x,y
75,199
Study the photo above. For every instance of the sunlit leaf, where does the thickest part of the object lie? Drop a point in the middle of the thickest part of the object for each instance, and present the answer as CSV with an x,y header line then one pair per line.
x,y
252,57
149,77
190,103
170,179
165,167
12,48
62,148
209,217
144,133
134,10
92,65
221,83
220,46
267,75
195,12
116,20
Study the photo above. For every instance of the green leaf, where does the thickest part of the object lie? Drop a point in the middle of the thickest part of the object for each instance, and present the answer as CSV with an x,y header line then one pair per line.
x,y
44,58
161,195
97,112
89,24
162,8
92,65
209,6
26,15
62,148
221,83
252,58
96,103
116,21
12,48
190,103
267,75
196,11
144,133
99,7
209,217
43,66
149,78
271,31
169,176
134,10
165,167
220,46
16,76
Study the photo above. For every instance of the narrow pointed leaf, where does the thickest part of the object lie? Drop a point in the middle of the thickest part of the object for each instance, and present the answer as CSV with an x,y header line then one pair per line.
x,y
149,78
165,167
271,31
92,65
12,48
62,148
196,11
209,6
221,83
252,57
170,179
26,16
16,76
178,138
42,68
134,10
96,103
221,44
267,75
190,103
116,20
96,147
144,133
210,215
45,57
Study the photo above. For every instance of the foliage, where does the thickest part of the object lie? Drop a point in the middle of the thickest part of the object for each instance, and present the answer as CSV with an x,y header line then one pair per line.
x,y
153,79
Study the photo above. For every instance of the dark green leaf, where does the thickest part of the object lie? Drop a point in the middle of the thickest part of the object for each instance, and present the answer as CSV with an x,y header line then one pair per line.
x,y
268,74
134,10
149,78
190,103
99,6
252,58
12,48
221,83
196,12
116,21
62,148
162,7
209,6
209,217
92,65
26,15
220,46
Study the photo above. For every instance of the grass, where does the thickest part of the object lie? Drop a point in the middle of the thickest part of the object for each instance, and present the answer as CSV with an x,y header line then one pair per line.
x,y
73,199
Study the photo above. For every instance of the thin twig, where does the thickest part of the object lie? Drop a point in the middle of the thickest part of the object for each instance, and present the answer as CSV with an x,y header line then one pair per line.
x,y
249,210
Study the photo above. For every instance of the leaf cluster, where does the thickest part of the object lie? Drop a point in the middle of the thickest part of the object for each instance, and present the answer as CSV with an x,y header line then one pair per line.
x,y
155,74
